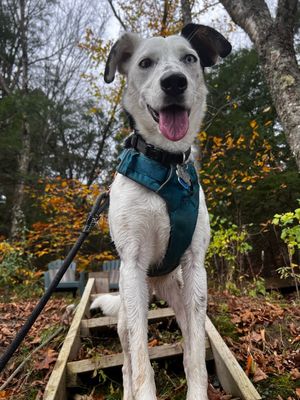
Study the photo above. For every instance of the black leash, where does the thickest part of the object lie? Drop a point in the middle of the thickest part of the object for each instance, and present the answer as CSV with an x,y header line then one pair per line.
x,y
100,205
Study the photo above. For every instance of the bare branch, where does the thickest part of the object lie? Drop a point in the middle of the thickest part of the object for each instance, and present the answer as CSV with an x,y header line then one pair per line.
x,y
5,88
164,19
117,15
18,369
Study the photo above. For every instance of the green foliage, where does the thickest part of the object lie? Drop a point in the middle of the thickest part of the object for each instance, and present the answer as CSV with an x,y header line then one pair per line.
x,y
290,229
280,188
228,245
17,274
257,287
275,387
289,223
244,154
225,327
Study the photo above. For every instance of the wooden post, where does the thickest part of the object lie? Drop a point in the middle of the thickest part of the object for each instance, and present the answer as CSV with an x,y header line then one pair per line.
x,y
231,376
56,387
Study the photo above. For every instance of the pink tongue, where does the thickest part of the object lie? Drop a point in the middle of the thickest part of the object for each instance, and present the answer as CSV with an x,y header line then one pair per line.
x,y
173,123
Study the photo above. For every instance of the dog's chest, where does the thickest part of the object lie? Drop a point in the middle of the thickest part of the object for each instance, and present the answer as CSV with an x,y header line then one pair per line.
x,y
138,219
163,210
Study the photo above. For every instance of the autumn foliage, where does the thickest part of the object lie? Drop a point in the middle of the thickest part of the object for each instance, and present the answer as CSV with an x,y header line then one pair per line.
x,y
65,205
234,163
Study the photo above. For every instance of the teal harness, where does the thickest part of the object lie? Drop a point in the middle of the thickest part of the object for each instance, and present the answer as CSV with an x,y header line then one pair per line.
x,y
181,197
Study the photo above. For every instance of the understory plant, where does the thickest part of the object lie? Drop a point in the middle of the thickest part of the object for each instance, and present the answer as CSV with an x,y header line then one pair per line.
x,y
289,223
227,250
17,274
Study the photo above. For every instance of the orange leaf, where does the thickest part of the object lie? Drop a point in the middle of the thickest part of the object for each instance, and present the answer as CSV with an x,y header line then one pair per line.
x,y
249,365
153,343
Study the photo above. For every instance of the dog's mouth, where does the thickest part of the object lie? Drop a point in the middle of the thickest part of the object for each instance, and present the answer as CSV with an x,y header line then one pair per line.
x,y
173,121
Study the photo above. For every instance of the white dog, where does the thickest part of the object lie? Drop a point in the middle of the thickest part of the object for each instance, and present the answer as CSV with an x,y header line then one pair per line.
x,y
165,98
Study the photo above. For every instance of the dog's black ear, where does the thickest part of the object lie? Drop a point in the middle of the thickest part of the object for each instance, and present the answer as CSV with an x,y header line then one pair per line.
x,y
208,43
119,56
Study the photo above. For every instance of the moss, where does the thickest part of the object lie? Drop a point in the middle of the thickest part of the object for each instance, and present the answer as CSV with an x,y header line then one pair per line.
x,y
225,327
276,386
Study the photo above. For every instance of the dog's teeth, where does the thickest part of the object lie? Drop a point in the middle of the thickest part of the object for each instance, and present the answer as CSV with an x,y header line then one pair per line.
x,y
154,113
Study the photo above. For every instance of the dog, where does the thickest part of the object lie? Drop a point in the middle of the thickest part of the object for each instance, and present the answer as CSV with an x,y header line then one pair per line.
x,y
165,98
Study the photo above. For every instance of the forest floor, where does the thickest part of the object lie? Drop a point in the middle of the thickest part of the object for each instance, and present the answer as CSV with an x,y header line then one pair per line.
x,y
263,332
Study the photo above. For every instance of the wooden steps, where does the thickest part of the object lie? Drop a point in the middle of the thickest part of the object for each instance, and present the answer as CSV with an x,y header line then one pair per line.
x,y
67,370
153,315
74,368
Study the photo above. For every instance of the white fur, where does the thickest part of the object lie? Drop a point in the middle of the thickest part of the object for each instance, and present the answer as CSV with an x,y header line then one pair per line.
x,y
109,304
140,227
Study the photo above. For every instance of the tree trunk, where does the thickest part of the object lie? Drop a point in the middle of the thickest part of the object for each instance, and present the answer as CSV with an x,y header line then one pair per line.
x,y
273,39
186,12
25,153
17,216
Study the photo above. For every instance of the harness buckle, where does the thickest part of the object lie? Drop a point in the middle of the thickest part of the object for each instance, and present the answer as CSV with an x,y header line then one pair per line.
x,y
150,151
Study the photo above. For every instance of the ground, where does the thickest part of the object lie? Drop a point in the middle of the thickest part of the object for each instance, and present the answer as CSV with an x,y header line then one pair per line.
x,y
262,331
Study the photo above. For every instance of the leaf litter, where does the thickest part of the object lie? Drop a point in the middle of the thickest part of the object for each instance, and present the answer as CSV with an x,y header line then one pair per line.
x,y
263,334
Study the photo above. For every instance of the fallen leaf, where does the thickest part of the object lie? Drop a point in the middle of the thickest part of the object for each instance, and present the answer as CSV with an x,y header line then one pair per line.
x,y
212,393
250,366
295,373
293,329
259,375
236,319
153,343
256,337
298,393
36,340
297,339
50,357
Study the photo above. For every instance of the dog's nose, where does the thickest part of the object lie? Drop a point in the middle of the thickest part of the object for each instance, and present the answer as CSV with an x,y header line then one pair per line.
x,y
174,84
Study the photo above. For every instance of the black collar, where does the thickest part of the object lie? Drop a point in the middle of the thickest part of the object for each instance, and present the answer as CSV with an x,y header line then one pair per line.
x,y
136,142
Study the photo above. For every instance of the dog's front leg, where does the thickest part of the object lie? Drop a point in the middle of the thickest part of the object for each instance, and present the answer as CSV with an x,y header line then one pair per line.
x,y
126,369
195,299
134,294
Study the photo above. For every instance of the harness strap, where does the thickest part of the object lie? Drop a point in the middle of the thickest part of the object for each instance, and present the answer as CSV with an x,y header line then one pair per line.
x,y
136,142
182,202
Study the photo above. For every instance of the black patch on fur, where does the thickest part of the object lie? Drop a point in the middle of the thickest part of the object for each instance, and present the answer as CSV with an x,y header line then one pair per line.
x,y
208,43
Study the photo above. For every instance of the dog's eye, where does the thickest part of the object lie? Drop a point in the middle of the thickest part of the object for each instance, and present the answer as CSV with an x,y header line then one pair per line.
x,y
189,59
146,63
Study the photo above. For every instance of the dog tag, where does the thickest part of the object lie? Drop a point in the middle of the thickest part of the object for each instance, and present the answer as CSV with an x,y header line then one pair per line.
x,y
183,176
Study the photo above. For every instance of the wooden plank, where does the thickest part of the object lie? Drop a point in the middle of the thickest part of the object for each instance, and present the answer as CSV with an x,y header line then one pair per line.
x,y
153,315
276,282
101,281
116,360
233,379
56,387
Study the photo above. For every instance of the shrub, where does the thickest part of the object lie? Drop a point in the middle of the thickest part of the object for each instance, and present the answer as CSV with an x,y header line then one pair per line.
x,y
228,246
289,223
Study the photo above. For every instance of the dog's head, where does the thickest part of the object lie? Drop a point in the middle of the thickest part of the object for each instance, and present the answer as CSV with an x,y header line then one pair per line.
x,y
165,92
